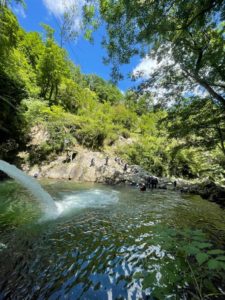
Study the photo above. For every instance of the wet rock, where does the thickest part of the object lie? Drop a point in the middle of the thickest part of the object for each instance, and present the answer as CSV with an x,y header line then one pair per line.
x,y
162,186
207,190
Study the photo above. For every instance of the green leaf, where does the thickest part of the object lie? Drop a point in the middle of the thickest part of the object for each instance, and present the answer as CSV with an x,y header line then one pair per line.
x,y
203,245
215,251
201,258
198,235
148,280
220,258
190,250
214,264
160,293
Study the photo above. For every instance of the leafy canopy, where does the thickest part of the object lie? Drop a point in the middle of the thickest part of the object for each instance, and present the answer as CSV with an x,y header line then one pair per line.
x,y
187,37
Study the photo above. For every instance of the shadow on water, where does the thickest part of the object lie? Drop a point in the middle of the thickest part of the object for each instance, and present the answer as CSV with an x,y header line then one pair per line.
x,y
94,248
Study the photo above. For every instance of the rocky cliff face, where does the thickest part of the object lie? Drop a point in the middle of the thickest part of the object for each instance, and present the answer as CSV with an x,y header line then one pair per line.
x,y
89,166
207,190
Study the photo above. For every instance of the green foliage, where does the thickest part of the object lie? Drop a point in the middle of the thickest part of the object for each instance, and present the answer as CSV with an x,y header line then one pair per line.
x,y
91,127
139,103
88,110
203,123
198,268
147,150
52,67
12,87
32,46
92,133
101,123
9,28
67,31
54,119
24,71
104,90
122,116
187,35
148,153
74,97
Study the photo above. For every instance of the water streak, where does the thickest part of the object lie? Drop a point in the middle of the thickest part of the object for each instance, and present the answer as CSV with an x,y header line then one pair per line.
x,y
47,203
52,209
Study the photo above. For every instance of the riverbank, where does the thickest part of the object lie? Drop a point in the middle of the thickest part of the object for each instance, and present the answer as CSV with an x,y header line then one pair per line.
x,y
83,165
207,189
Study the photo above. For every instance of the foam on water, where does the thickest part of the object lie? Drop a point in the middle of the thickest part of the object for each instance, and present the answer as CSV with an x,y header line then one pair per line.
x,y
94,199
52,209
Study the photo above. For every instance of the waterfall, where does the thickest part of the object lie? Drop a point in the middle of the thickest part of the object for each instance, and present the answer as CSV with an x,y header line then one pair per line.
x,y
47,203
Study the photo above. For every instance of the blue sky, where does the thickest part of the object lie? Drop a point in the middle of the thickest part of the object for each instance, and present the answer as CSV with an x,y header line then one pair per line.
x,y
87,56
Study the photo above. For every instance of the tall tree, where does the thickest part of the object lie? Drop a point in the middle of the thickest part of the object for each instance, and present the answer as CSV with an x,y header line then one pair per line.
x,y
9,28
105,91
12,89
187,35
52,67
197,123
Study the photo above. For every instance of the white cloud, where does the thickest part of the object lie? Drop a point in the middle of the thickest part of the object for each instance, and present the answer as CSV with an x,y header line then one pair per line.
x,y
146,67
59,7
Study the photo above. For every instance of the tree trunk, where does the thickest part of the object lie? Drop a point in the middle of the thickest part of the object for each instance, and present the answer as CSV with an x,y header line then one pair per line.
x,y
207,86
221,139
51,92
211,91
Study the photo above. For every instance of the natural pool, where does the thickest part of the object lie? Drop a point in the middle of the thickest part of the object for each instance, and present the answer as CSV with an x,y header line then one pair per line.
x,y
109,243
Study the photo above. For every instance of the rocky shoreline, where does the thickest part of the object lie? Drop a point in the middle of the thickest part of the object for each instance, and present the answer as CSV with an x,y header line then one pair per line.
x,y
78,166
207,190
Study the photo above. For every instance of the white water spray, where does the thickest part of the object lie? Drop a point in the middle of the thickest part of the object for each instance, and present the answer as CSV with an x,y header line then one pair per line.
x,y
94,198
48,205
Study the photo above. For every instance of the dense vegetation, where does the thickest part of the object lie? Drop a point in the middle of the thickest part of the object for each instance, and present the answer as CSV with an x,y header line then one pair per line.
x,y
41,87
174,133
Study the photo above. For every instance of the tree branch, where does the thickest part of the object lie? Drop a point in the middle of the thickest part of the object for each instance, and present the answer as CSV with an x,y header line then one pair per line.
x,y
211,5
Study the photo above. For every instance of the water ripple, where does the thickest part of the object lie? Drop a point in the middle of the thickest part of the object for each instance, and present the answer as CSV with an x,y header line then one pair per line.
x,y
101,240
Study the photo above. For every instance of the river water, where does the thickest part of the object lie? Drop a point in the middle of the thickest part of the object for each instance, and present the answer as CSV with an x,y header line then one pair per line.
x,y
103,237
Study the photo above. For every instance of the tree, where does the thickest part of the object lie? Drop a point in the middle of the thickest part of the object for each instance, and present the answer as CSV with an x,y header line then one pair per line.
x,y
141,103
11,123
33,47
9,28
73,96
191,33
104,90
51,68
198,124
12,87
68,31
